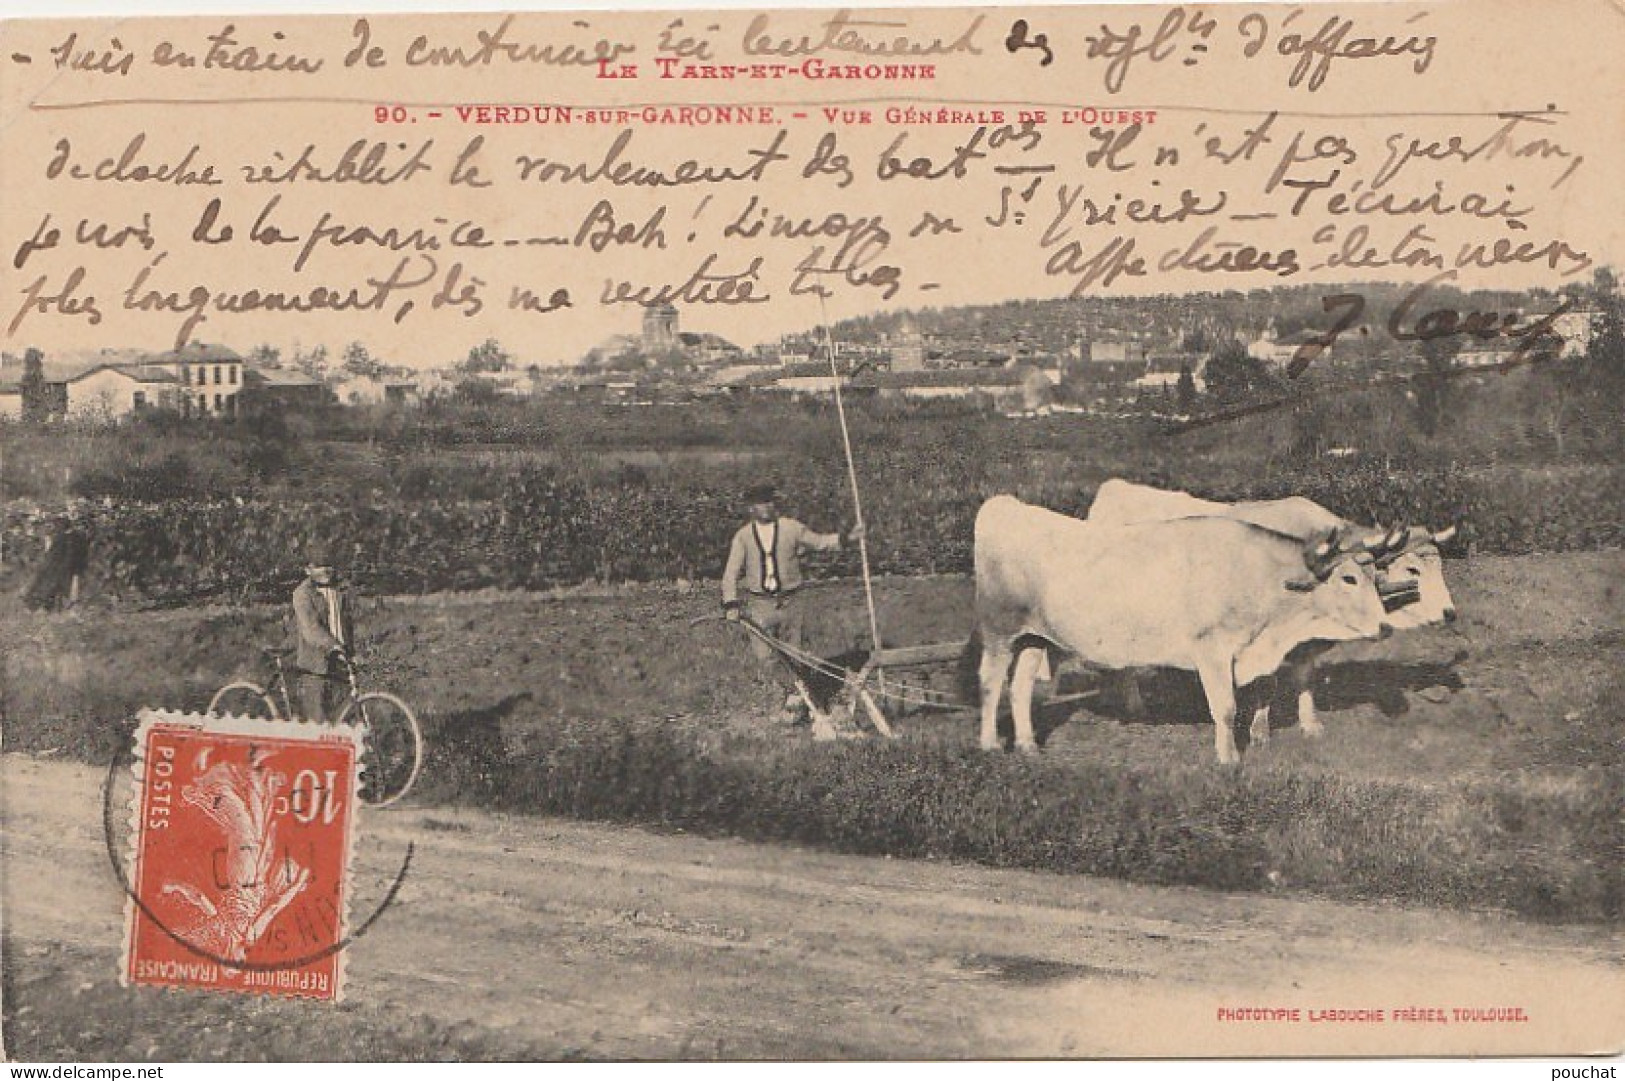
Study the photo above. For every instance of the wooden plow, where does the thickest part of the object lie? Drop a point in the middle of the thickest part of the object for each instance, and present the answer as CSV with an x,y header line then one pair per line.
x,y
835,693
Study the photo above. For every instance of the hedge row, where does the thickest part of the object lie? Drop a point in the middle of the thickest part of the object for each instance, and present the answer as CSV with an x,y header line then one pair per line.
x,y
548,528
1461,845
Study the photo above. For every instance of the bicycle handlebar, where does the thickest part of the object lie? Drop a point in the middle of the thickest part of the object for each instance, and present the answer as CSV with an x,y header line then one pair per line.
x,y
351,662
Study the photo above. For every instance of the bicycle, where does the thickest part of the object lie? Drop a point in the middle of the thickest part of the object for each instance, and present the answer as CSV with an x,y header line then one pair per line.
x,y
392,748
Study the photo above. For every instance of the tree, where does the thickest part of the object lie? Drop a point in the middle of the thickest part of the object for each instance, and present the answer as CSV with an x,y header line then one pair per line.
x,y
1572,391
1432,384
36,406
1234,375
1196,340
313,363
488,356
1185,391
626,362
357,361
1605,352
1594,382
477,392
265,355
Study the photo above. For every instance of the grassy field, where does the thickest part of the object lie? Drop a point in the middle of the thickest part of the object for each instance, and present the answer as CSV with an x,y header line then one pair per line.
x,y
1475,766
1469,767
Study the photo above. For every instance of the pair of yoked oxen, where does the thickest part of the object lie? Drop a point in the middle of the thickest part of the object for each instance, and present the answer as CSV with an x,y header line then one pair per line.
x,y
1232,591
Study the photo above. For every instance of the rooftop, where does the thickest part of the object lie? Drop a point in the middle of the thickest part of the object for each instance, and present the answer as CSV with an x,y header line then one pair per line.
x,y
198,352
65,366
945,377
277,377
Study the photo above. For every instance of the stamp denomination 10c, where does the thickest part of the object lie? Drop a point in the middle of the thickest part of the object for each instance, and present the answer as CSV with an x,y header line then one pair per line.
x,y
241,835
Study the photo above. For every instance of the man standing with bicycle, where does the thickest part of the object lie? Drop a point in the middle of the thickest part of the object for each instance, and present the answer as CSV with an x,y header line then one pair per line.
x,y
322,635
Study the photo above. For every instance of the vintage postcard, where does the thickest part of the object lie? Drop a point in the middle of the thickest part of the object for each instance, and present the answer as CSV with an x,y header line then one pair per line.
x,y
932,533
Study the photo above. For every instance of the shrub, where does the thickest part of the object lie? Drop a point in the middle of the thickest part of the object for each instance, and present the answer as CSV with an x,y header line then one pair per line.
x,y
1498,845
181,529
220,506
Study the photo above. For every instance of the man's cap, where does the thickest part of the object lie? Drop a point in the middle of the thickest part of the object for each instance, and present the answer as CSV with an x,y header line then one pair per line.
x,y
761,493
320,554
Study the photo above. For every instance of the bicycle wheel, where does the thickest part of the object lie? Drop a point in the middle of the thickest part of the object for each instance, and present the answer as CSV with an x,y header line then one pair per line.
x,y
391,751
244,699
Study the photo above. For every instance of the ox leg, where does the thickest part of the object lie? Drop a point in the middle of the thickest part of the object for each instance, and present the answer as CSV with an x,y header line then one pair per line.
x,y
1133,703
1219,683
1301,673
1307,716
995,666
1028,663
1264,690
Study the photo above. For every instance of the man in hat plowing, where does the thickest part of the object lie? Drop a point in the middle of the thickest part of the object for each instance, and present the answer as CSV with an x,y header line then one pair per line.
x,y
766,552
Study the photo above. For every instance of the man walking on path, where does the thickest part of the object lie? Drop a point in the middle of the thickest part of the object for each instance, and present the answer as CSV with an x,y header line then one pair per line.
x,y
766,551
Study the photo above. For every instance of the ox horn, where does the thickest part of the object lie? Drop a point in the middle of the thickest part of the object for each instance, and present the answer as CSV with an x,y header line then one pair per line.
x,y
1319,558
1444,535
1365,541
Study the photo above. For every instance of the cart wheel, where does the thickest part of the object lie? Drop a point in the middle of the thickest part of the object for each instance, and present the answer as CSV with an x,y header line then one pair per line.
x,y
391,750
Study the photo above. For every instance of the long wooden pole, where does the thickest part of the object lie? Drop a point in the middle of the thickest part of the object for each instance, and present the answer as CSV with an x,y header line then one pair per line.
x,y
852,476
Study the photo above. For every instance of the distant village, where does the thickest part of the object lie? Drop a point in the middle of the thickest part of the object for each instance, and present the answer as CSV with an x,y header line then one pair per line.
x,y
1025,358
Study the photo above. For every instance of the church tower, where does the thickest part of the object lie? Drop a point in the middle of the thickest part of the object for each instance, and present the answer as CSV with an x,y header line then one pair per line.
x,y
908,348
659,328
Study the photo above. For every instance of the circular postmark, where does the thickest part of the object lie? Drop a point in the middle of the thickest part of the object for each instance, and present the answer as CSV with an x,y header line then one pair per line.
x,y
200,938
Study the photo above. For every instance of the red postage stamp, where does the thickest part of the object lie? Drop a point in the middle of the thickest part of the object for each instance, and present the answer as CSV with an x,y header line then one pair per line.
x,y
241,835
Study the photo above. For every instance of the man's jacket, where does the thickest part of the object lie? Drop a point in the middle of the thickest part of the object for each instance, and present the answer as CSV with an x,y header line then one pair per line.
x,y
747,556
313,624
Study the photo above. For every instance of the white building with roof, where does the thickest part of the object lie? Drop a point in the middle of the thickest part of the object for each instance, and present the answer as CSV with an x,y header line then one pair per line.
x,y
107,384
110,391
209,377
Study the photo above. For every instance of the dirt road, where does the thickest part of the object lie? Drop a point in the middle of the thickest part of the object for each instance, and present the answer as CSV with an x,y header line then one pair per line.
x,y
517,937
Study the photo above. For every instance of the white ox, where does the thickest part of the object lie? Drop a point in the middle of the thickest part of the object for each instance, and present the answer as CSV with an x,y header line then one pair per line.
x,y
1407,561
1225,599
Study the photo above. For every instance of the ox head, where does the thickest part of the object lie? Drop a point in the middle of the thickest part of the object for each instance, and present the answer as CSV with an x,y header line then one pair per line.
x,y
1342,591
1410,575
